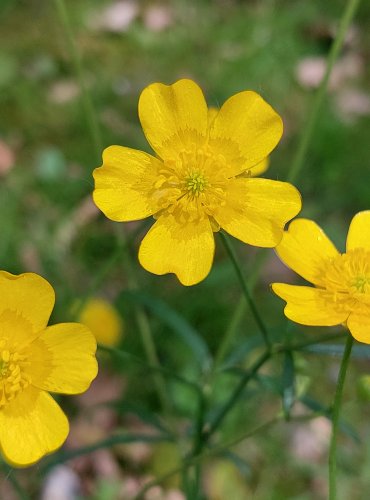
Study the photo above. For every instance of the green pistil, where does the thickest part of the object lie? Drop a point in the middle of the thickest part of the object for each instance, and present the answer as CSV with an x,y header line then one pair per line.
x,y
195,183
362,284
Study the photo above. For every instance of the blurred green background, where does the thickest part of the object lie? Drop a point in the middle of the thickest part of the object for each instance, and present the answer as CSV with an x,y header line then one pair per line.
x,y
50,226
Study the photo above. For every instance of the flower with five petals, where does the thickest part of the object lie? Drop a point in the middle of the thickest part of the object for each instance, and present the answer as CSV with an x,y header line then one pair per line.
x,y
342,280
201,179
35,359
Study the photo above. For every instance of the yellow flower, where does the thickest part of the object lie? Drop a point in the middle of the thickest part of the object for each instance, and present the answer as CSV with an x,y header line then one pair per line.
x,y
194,186
103,320
34,359
342,281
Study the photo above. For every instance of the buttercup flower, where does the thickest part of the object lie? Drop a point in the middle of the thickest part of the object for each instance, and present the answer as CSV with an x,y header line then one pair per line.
x,y
34,359
197,184
342,280
103,320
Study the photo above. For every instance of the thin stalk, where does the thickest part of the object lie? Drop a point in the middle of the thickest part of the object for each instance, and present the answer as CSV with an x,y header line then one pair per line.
x,y
128,357
229,334
235,395
147,335
335,418
206,454
237,316
345,21
297,346
261,325
90,115
10,476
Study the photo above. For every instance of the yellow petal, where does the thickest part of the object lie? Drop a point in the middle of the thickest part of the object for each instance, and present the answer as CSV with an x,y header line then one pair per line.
x,y
256,210
260,168
63,359
306,249
31,426
183,248
124,183
359,231
309,306
248,122
257,170
173,117
28,296
358,324
103,320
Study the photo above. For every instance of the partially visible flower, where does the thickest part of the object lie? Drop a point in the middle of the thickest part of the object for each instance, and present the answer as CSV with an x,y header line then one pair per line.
x,y
103,320
197,184
342,280
36,359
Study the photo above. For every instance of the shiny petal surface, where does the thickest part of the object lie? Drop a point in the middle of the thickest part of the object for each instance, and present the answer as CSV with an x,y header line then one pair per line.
x,y
31,426
260,168
63,359
306,249
359,231
26,302
309,305
124,184
251,125
183,248
256,210
173,117
358,324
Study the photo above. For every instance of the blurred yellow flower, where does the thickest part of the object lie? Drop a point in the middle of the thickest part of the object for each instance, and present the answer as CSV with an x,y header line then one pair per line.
x,y
34,359
196,184
342,281
103,320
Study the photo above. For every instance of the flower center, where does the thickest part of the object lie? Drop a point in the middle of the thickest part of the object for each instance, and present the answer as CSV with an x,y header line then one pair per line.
x,y
195,183
13,379
347,277
192,183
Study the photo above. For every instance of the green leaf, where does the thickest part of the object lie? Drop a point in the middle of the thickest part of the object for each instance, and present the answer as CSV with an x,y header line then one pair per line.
x,y
176,322
359,352
288,382
123,407
64,455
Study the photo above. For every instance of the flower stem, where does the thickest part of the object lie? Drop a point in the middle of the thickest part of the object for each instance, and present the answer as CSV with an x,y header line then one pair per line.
x,y
228,246
345,21
211,452
146,332
235,320
249,375
335,418
90,114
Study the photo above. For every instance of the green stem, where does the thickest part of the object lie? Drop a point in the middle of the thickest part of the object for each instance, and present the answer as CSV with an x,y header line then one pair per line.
x,y
206,454
235,395
109,442
345,21
91,118
228,246
335,418
229,334
237,316
127,357
10,475
297,346
146,334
